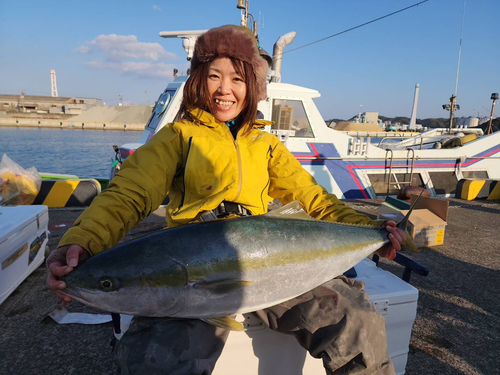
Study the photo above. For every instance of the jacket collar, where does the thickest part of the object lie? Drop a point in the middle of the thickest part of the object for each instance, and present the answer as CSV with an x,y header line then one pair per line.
x,y
209,120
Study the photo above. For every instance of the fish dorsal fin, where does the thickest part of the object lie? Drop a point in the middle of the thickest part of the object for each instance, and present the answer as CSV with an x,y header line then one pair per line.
x,y
292,210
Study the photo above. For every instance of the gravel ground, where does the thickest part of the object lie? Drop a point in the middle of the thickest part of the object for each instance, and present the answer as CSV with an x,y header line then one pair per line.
x,y
457,330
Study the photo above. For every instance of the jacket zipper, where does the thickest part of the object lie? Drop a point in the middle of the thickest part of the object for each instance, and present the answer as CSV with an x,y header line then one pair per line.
x,y
184,176
270,153
240,169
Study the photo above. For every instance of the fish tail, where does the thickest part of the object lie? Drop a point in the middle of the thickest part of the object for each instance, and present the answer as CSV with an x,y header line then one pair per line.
x,y
408,244
403,225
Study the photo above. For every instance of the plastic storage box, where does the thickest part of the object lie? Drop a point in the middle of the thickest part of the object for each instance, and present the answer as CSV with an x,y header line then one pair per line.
x,y
262,351
23,236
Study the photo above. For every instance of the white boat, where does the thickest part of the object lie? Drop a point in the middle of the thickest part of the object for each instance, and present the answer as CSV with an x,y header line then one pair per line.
x,y
350,167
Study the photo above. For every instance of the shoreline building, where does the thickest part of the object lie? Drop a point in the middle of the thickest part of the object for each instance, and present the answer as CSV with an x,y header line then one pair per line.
x,y
48,106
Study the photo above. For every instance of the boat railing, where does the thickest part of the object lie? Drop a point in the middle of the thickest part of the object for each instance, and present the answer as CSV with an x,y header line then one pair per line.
x,y
409,141
426,138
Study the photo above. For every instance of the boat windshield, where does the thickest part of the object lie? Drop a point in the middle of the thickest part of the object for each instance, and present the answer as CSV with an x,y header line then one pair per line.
x,y
290,118
161,107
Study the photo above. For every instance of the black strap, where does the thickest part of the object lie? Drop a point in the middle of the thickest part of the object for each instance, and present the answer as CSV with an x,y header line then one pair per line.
x,y
224,210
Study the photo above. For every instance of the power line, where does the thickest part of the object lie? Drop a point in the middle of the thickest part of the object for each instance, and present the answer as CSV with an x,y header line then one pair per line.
x,y
356,27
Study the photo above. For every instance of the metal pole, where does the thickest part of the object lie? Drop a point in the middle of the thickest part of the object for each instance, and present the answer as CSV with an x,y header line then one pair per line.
x,y
489,131
453,100
246,12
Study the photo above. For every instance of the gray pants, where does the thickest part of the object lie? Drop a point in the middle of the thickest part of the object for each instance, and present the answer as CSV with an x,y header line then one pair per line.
x,y
335,322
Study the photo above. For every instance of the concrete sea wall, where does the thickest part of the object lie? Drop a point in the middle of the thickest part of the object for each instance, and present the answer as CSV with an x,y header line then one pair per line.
x,y
69,124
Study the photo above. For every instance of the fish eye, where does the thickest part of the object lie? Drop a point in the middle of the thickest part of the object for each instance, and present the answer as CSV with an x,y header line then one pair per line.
x,y
106,283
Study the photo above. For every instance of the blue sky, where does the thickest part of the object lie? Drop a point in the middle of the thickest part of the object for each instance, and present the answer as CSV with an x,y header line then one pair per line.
x,y
104,49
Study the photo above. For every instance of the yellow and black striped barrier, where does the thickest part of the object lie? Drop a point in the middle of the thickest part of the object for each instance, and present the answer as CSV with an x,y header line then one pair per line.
x,y
470,189
494,191
67,193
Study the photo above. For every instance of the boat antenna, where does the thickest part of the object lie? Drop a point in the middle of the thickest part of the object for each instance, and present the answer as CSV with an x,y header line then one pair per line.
x,y
460,49
453,99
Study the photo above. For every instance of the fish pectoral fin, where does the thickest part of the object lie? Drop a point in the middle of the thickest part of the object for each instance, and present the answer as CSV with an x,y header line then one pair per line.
x,y
292,210
222,286
226,323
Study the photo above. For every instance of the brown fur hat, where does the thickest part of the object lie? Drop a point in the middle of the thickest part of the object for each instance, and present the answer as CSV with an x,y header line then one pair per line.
x,y
232,41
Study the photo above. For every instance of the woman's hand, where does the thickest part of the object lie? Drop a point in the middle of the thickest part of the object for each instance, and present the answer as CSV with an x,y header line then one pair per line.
x,y
61,262
396,236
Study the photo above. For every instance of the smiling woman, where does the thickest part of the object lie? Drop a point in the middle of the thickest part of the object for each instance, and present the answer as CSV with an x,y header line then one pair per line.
x,y
217,162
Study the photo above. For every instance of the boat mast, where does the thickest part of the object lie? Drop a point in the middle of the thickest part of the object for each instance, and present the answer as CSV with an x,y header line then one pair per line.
x,y
453,100
243,5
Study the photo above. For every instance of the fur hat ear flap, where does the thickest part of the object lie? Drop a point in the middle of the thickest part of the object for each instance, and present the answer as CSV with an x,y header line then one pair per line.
x,y
232,41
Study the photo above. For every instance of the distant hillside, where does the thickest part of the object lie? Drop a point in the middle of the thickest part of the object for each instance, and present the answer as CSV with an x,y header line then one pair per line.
x,y
400,119
428,122
495,125
434,122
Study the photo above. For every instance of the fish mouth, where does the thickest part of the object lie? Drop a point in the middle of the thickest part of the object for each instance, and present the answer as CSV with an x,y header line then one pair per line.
x,y
84,296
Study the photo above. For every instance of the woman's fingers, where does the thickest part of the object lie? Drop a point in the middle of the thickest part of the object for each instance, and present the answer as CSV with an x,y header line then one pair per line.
x,y
73,255
61,262
56,285
396,236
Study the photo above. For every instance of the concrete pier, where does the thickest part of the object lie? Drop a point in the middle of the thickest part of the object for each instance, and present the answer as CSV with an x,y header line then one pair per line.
x,y
69,124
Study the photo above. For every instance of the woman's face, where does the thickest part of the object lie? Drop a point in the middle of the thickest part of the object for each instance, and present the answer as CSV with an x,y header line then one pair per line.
x,y
227,89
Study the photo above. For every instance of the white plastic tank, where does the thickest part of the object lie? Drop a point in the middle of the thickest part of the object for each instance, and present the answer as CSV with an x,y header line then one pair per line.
x,y
468,122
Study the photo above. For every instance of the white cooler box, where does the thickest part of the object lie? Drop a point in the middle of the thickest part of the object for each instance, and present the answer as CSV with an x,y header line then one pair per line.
x,y
23,236
262,351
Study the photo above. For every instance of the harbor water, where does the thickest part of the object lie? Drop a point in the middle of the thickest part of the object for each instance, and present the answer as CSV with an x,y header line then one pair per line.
x,y
84,153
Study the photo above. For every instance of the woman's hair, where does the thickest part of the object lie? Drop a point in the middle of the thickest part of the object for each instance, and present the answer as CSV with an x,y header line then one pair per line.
x,y
239,45
196,94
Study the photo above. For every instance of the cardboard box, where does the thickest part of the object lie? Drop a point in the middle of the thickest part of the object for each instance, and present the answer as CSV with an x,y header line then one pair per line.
x,y
427,222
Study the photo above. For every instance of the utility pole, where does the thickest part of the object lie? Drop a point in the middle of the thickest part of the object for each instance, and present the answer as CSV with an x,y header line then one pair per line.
x,y
494,97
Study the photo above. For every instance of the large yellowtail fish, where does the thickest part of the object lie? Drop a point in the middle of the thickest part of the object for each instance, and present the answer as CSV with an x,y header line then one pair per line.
x,y
215,269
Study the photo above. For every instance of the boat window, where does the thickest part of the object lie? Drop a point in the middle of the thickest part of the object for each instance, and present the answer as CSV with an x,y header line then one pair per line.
x,y
475,174
290,119
162,104
379,182
444,182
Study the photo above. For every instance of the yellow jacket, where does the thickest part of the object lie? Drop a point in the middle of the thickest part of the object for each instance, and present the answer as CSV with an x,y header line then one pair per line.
x,y
199,164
